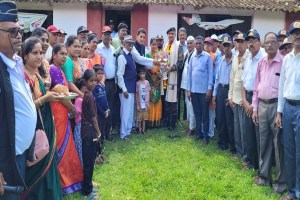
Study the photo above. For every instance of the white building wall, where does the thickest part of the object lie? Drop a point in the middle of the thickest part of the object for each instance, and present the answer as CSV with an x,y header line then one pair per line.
x,y
69,16
163,17
265,22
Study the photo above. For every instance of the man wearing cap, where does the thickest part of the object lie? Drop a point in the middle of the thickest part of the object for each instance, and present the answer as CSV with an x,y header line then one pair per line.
x,y
287,46
106,50
171,91
189,107
54,34
200,83
235,94
160,42
82,33
235,48
18,113
224,112
289,104
61,38
264,102
220,54
127,74
112,28
248,78
282,34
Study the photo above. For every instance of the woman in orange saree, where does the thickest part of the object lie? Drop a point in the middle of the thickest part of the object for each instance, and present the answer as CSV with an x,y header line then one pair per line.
x,y
154,78
69,166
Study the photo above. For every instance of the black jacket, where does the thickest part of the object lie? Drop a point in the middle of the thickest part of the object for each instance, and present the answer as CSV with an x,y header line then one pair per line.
x,y
8,165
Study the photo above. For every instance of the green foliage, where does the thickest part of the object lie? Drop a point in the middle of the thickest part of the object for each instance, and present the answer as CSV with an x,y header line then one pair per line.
x,y
154,167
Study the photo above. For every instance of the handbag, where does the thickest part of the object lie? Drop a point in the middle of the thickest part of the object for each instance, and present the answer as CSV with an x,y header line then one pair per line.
x,y
40,145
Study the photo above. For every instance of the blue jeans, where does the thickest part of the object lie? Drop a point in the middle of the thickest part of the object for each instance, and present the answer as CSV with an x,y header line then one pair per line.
x,y
291,146
21,165
200,106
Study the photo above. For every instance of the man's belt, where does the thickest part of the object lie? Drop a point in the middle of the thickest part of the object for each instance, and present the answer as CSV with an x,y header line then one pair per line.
x,y
224,85
249,92
110,80
269,101
293,102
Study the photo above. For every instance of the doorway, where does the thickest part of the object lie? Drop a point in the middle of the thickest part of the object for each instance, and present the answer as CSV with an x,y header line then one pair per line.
x,y
118,16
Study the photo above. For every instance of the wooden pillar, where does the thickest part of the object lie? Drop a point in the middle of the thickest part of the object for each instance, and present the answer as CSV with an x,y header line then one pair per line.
x,y
95,17
139,19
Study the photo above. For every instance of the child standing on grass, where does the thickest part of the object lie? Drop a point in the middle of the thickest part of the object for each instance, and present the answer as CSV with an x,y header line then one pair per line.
x,y
142,100
102,110
78,106
90,134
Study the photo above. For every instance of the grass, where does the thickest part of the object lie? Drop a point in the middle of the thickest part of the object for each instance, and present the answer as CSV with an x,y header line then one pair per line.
x,y
154,167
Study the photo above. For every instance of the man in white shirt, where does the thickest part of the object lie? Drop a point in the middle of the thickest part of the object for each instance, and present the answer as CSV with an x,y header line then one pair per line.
x,y
54,34
127,74
106,50
289,105
189,107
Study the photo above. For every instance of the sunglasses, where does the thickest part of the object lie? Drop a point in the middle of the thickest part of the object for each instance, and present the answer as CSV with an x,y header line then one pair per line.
x,y
13,32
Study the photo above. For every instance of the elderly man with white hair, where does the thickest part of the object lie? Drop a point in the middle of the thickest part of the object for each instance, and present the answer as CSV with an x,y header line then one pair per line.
x,y
187,57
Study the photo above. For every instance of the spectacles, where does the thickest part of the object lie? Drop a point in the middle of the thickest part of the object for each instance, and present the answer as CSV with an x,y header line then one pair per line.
x,y
252,41
13,32
272,42
240,41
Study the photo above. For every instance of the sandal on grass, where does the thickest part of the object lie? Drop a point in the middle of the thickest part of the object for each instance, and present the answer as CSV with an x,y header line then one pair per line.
x,y
91,196
95,190
95,184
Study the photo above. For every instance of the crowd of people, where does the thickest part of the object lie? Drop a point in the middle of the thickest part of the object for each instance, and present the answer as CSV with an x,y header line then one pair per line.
x,y
81,89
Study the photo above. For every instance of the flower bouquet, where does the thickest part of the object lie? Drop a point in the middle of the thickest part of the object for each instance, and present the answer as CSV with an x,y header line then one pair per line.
x,y
163,58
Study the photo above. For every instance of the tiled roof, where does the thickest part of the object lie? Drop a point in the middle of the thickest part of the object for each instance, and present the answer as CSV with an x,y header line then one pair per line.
x,y
267,5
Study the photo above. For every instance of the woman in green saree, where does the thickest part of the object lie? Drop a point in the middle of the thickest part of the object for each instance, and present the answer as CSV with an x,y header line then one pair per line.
x,y
42,179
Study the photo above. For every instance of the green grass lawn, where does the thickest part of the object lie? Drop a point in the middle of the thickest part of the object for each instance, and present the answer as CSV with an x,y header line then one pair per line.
x,y
154,167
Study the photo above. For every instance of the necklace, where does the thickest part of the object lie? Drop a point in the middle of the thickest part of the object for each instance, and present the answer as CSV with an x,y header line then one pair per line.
x,y
29,72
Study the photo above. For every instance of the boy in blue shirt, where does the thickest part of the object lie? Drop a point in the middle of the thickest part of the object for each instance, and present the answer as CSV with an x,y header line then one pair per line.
x,y
103,110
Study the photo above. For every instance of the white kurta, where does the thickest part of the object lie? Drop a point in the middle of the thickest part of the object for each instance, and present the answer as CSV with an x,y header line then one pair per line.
x,y
171,95
126,114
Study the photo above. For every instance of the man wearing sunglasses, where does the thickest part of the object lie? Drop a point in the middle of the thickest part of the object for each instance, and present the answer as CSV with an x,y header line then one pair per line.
x,y
17,110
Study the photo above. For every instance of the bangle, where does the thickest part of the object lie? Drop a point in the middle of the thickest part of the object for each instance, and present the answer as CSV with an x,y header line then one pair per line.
x,y
40,102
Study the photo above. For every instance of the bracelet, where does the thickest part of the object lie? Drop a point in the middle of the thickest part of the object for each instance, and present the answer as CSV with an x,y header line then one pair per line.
x,y
40,102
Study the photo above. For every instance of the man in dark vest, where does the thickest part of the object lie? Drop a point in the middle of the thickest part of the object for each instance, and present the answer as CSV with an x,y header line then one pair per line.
x,y
17,110
127,82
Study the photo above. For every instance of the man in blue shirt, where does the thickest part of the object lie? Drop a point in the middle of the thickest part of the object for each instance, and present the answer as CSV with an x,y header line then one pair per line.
x,y
200,82
17,110
224,112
